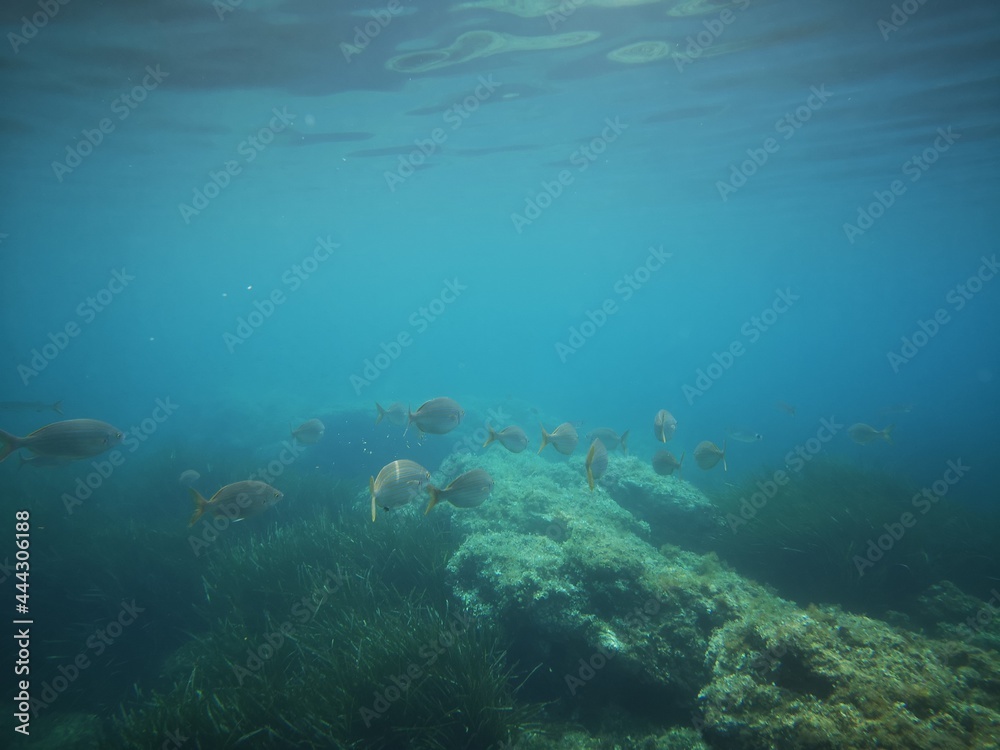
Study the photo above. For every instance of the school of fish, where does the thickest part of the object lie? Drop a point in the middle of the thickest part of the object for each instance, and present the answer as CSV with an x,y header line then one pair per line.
x,y
401,481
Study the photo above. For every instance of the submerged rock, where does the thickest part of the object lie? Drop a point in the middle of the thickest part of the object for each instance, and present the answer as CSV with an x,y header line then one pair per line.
x,y
676,511
948,612
673,636
823,678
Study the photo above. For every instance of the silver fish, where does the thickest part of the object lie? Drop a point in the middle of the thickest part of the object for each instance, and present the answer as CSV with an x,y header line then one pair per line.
x,y
610,438
437,416
707,454
396,414
665,463
744,436
787,408
309,432
512,438
71,439
236,501
863,434
468,490
397,484
563,438
664,425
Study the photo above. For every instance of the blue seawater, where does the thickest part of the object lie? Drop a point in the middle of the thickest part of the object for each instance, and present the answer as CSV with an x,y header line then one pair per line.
x,y
221,219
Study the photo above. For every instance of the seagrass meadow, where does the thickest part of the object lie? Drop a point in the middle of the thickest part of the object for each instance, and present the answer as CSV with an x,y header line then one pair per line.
x,y
550,616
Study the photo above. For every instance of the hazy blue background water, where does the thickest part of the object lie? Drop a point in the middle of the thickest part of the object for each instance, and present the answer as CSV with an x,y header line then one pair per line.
x,y
495,347
655,185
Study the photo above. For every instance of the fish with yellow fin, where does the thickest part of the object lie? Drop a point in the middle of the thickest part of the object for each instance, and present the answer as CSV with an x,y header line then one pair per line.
x,y
597,462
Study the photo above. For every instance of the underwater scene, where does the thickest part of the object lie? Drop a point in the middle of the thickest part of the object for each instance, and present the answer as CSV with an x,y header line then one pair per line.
x,y
500,374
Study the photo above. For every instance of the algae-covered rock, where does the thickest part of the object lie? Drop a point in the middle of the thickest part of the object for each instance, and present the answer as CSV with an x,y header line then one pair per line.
x,y
574,573
572,570
948,612
675,510
822,678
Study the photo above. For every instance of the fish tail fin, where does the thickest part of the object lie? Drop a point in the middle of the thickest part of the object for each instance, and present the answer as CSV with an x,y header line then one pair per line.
x,y
492,436
545,438
409,418
371,490
724,467
200,505
381,412
57,407
435,494
8,444
887,433
625,442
